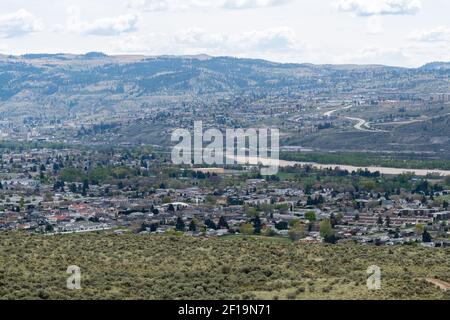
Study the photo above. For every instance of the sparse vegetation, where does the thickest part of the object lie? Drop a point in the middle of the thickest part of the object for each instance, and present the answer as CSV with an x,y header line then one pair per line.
x,y
177,267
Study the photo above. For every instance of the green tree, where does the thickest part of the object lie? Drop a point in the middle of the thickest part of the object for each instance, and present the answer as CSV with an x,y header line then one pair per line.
x,y
419,229
210,199
256,224
426,237
246,228
380,221
250,212
387,222
281,225
192,226
296,233
179,225
266,208
325,228
223,224
310,215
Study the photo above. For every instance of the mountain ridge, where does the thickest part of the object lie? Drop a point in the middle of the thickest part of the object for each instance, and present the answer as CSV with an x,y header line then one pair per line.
x,y
100,55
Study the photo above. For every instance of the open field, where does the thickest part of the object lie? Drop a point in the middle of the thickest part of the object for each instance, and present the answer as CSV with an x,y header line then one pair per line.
x,y
132,266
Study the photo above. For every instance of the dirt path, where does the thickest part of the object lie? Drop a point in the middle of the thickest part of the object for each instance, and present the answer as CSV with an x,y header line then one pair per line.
x,y
439,283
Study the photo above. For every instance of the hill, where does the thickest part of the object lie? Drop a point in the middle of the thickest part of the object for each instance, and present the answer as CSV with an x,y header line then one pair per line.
x,y
76,83
178,267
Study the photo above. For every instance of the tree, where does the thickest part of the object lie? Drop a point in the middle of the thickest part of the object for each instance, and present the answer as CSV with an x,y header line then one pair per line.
x,y
48,227
333,220
325,228
310,215
86,184
266,208
296,233
445,205
257,224
210,199
387,222
269,232
419,229
447,180
250,212
223,224
48,197
283,208
192,226
380,221
210,224
246,228
73,188
179,225
281,225
426,237
326,231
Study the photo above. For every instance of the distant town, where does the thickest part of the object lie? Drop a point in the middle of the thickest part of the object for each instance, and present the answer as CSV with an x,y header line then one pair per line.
x,y
59,191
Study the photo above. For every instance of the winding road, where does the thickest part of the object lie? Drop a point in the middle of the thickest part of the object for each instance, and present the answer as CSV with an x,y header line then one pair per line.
x,y
361,125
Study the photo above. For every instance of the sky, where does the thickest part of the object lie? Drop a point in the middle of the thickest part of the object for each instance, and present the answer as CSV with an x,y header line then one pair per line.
x,y
405,33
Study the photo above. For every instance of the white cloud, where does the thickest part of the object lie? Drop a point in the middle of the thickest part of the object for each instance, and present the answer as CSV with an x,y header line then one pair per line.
x,y
438,34
249,4
374,25
183,5
199,38
275,39
109,26
196,40
376,55
18,24
150,5
379,7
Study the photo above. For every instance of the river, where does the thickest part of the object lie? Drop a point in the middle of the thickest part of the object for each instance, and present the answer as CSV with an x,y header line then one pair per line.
x,y
382,170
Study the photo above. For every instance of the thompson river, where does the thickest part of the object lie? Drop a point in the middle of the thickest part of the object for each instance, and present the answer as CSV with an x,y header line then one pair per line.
x,y
382,170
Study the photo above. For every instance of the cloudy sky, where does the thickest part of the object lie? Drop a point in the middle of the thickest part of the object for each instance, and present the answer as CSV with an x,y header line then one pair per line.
x,y
394,32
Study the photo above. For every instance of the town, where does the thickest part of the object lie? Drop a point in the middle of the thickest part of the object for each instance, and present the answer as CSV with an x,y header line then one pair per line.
x,y
49,190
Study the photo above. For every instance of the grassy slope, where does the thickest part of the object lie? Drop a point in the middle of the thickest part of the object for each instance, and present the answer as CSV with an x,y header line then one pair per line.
x,y
169,267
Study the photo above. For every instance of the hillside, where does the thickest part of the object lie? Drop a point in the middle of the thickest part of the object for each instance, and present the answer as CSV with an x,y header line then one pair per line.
x,y
178,267
61,83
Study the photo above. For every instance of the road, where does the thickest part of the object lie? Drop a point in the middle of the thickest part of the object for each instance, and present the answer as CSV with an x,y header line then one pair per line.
x,y
329,113
361,125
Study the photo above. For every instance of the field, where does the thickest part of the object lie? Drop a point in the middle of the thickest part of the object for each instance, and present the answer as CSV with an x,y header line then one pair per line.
x,y
132,266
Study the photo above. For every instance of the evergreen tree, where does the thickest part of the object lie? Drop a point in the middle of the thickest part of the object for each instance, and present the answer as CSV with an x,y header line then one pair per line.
x,y
426,237
387,222
380,221
192,226
223,224
179,226
257,225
